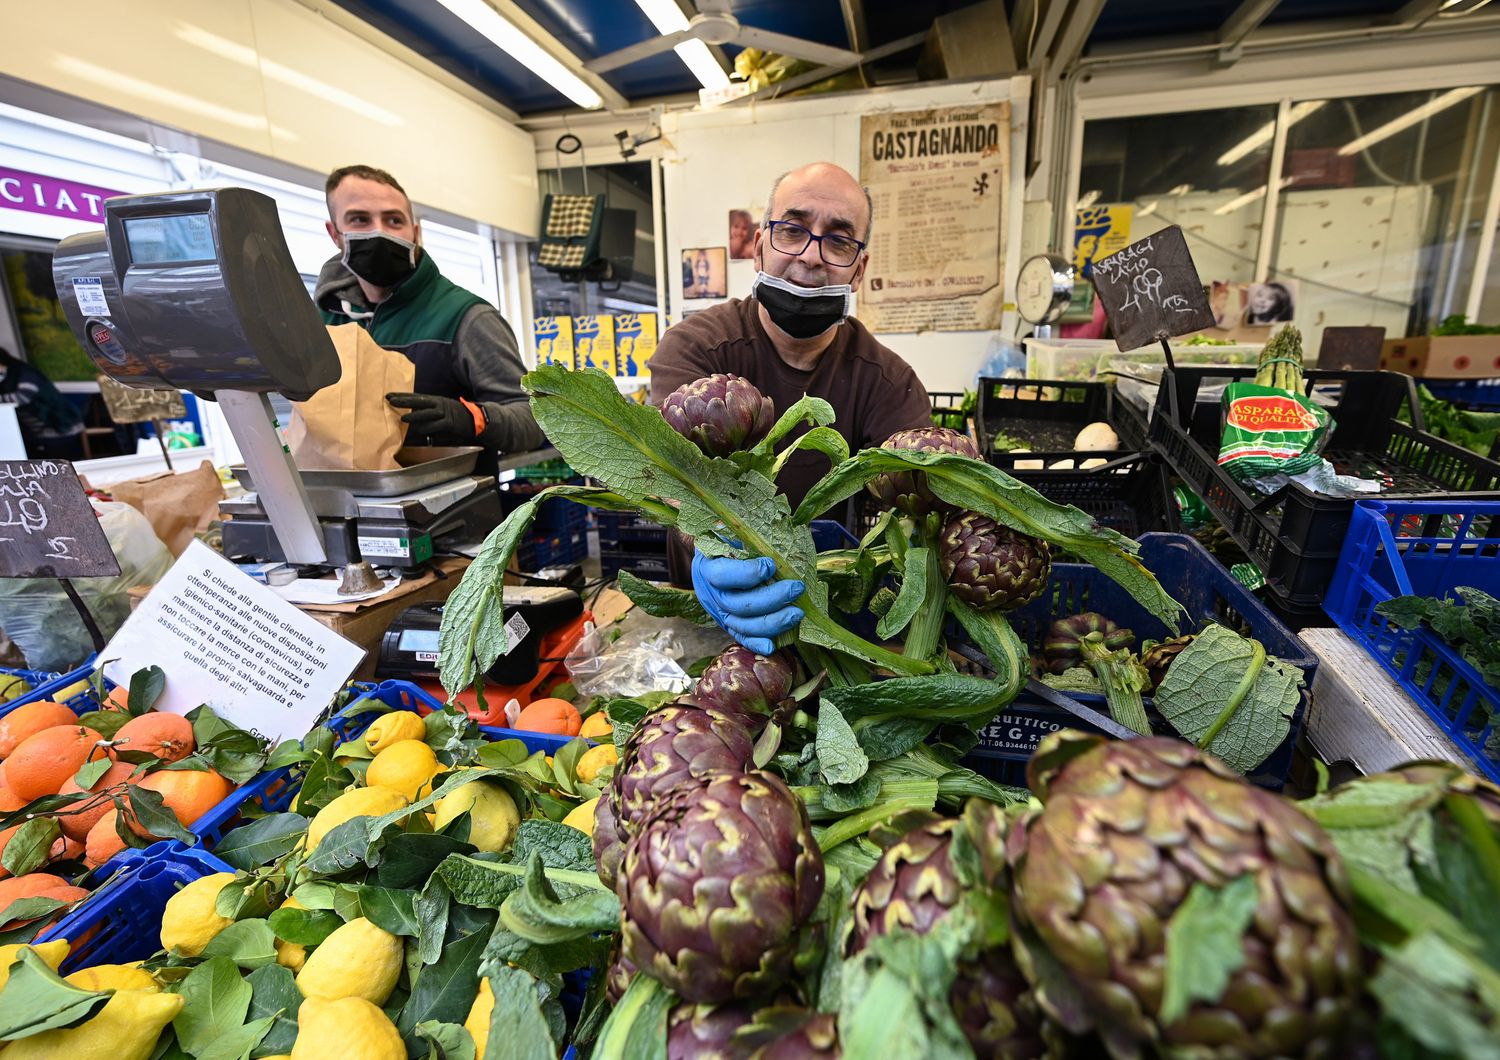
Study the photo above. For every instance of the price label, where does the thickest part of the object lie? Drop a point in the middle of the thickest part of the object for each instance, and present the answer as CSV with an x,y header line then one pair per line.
x,y
48,528
1151,291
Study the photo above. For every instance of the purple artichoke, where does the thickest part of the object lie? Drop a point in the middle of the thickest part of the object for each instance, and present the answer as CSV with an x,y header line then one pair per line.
x,y
1158,658
907,490
746,686
707,1032
717,886
1063,647
1128,830
677,744
609,839
720,414
790,1032
618,978
991,567
996,1008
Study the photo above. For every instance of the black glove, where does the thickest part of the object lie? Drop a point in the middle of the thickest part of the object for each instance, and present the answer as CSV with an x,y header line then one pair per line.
x,y
443,420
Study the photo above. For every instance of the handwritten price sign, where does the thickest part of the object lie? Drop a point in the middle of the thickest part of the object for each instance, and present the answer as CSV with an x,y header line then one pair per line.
x,y
1151,291
48,529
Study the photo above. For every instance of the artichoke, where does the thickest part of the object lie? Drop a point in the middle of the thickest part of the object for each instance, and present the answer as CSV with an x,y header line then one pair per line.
x,y
707,1032
790,1032
1160,656
746,686
996,1008
678,744
1063,648
992,567
907,490
720,414
609,838
618,978
1126,831
717,886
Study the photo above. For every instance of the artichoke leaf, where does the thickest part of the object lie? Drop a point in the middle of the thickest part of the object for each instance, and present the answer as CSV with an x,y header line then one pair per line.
x,y
663,601
1205,944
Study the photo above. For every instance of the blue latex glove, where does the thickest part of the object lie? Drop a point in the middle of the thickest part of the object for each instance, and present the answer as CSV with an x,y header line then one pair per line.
x,y
744,601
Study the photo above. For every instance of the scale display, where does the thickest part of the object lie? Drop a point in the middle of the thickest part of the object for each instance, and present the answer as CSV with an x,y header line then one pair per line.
x,y
171,239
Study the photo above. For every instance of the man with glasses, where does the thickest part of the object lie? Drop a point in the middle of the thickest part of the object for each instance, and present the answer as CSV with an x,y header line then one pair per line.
x,y
794,336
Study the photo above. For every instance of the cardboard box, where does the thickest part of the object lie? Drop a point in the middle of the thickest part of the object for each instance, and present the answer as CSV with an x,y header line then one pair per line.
x,y
1444,356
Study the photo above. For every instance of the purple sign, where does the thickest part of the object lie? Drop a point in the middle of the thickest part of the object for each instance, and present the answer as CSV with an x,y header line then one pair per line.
x,y
35,193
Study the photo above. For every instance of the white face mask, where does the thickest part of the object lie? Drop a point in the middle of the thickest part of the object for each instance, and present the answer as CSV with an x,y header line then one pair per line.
x,y
803,312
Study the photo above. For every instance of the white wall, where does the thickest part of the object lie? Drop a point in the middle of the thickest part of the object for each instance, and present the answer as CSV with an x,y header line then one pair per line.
x,y
726,159
275,78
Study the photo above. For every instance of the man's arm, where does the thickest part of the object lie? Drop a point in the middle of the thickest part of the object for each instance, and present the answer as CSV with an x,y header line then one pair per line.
x,y
489,362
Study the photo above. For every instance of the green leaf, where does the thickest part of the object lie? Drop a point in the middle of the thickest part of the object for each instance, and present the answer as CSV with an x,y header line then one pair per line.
x,y
806,409
146,687
992,633
561,846
432,907
1205,944
637,1028
537,914
389,909
248,943
663,601
894,995
449,1040
409,857
444,990
839,753
245,897
909,599
846,798
36,999
305,927
1202,684
25,910
1445,999
106,723
239,1042
151,813
217,1001
324,782
1384,827
89,773
29,846
824,440
274,994
979,487
262,841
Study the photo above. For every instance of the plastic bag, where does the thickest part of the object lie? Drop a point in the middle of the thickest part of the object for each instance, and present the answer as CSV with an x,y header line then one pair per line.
x,y
37,615
641,661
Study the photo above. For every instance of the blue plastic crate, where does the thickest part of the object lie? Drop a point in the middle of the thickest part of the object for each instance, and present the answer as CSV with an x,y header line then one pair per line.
x,y
551,549
1194,579
403,695
121,921
44,683
1427,548
1481,395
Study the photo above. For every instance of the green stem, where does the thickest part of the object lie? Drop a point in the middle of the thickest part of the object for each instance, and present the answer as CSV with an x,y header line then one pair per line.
x,y
1241,691
927,627
1115,670
1478,831
909,789
858,824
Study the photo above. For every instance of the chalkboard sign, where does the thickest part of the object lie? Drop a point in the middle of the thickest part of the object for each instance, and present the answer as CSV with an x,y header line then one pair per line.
x,y
133,404
48,529
1151,291
1351,348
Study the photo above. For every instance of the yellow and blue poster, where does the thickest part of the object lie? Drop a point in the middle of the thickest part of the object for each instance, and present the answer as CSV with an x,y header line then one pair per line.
x,y
635,342
594,342
554,341
1099,231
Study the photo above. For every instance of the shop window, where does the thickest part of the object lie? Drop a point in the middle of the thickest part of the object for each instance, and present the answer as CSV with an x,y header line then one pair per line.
x,y
46,338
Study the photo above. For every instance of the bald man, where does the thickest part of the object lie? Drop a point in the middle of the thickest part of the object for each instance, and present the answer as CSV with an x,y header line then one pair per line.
x,y
793,335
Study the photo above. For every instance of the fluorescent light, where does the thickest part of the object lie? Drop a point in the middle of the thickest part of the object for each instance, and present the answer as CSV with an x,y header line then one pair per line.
x,y
1266,132
696,56
1249,197
1410,118
135,86
1148,209
506,36
1180,190
1089,198
665,15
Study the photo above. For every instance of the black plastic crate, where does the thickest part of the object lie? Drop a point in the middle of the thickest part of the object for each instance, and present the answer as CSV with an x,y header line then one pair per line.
x,y
619,530
1131,493
948,410
1046,414
1295,535
647,563
538,551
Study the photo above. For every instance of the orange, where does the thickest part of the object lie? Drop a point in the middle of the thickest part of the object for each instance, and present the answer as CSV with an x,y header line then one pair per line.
x,y
118,699
65,849
168,737
30,719
42,763
556,716
37,885
76,823
9,800
103,841
188,793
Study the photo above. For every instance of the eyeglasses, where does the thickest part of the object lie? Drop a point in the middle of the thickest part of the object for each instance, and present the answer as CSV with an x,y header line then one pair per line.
x,y
788,237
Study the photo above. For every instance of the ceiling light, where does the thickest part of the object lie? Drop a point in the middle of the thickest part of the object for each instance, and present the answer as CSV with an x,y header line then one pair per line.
x,y
1410,118
135,86
1249,197
1089,198
665,15
1180,190
506,36
1266,132
668,18
1148,209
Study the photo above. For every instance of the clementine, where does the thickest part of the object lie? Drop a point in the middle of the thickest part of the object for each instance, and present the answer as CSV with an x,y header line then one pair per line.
x,y
103,841
188,793
168,737
30,719
556,716
77,822
42,763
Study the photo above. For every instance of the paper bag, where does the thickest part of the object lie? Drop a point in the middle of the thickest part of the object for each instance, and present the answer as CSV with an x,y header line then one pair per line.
x,y
349,426
177,506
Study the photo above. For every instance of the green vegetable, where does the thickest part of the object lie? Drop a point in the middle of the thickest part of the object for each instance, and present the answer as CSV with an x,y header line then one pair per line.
x,y
1458,324
1469,624
36,999
1475,431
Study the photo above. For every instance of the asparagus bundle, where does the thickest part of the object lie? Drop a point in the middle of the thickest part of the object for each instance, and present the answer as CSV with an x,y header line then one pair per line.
x,y
1270,427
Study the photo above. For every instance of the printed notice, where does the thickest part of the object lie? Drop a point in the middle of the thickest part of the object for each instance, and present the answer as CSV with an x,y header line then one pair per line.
x,y
224,639
89,290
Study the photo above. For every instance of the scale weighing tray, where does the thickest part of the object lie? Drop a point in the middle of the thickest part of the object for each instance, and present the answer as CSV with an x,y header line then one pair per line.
x,y
421,466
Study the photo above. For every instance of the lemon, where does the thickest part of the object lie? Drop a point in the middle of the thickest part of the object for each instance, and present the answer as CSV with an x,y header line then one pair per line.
x,y
404,766
581,816
188,923
361,802
291,954
113,977
13,686
393,728
596,725
493,817
357,960
50,952
126,1028
478,1021
350,1028
593,760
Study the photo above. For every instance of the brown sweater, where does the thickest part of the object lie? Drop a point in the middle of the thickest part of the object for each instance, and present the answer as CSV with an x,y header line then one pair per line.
x,y
874,393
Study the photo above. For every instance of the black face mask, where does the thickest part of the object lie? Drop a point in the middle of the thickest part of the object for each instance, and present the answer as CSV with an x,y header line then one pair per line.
x,y
379,259
802,312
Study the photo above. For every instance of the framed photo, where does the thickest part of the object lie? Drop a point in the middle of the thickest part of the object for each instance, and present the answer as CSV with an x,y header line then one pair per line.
x,y
1271,303
705,273
741,235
